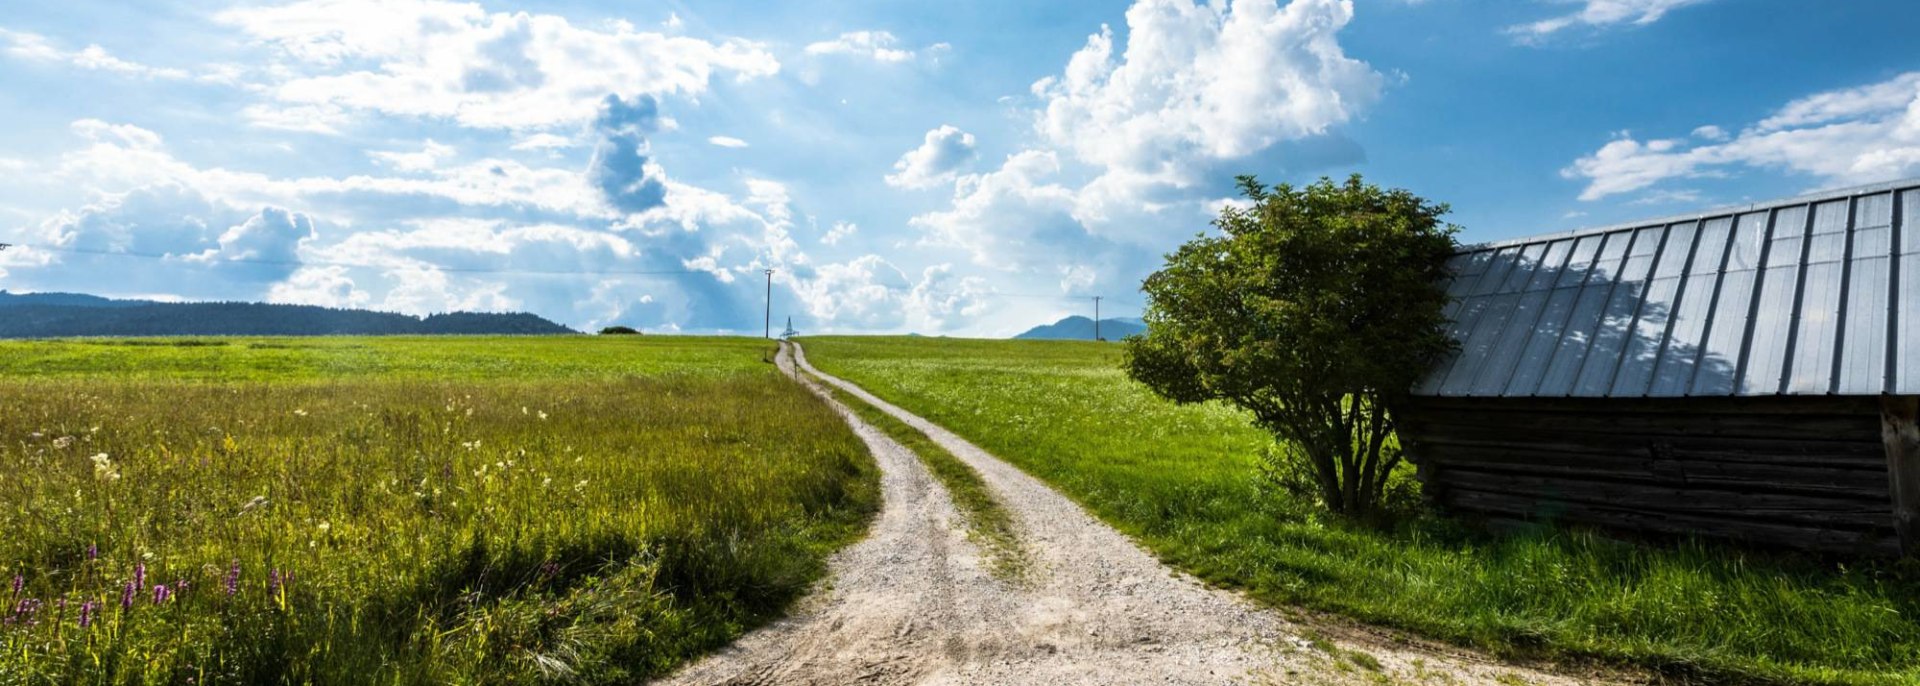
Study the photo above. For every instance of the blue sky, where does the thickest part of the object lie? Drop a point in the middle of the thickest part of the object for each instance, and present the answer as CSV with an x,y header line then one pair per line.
x,y
965,168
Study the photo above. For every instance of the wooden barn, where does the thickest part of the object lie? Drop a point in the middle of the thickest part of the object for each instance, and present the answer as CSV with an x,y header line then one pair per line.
x,y
1750,373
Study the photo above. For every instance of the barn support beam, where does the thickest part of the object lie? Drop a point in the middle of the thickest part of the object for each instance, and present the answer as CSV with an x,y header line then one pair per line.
x,y
1900,432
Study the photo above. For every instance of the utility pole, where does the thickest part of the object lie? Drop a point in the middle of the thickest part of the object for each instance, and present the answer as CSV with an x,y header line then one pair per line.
x,y
1096,319
769,322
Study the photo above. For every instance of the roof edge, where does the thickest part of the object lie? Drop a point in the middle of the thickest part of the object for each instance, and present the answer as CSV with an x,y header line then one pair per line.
x,y
1816,196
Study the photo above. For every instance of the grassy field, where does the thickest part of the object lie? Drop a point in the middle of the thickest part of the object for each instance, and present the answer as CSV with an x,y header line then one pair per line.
x,y
1185,482
406,510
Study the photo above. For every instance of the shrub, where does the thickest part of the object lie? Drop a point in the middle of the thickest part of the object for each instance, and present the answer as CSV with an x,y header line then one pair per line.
x,y
1315,309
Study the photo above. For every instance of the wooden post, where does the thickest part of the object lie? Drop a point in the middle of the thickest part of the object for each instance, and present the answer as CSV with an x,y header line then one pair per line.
x,y
1900,433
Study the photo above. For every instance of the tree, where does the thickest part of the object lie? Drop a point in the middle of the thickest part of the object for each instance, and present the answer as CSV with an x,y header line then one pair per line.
x,y
1316,309
619,331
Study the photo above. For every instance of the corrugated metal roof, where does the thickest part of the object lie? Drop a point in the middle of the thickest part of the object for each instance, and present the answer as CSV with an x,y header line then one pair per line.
x,y
1813,295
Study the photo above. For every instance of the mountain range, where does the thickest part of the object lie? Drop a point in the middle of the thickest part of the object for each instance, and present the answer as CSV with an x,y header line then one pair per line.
x,y
1081,328
49,315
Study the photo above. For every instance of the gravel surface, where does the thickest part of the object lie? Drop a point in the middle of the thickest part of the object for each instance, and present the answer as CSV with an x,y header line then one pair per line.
x,y
914,603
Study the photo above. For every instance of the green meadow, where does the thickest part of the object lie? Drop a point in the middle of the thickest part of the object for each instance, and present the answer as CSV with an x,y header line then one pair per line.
x,y
406,510
1187,483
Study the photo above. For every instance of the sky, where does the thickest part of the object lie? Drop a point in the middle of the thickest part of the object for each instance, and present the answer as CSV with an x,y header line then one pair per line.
x,y
970,168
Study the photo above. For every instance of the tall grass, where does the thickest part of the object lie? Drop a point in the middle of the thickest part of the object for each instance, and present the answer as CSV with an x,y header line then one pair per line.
x,y
566,521
1185,481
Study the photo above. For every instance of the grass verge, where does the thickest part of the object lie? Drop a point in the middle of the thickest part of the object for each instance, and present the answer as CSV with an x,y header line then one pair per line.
x,y
513,511
988,523
1185,482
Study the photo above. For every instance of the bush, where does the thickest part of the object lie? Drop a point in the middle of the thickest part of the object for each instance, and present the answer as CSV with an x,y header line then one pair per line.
x,y
619,331
1316,309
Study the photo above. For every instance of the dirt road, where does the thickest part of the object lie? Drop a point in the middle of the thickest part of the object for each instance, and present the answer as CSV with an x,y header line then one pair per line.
x,y
914,604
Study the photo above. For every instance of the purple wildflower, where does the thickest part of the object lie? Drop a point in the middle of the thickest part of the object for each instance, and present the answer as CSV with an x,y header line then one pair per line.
x,y
86,614
273,582
233,579
18,583
126,596
93,552
160,593
140,575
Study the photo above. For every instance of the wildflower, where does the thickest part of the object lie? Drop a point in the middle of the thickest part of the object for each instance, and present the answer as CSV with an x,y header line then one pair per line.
x,y
273,582
62,442
543,415
471,445
233,579
93,552
86,614
103,468
161,594
257,501
546,482
18,583
300,412
140,575
126,596
325,527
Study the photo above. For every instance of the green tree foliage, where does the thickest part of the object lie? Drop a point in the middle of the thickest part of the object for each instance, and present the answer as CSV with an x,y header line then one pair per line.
x,y
1316,309
619,331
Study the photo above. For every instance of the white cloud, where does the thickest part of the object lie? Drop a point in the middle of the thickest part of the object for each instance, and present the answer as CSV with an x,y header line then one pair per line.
x,y
875,45
430,155
1205,82
35,47
1600,14
1710,132
727,141
433,58
1010,217
543,141
1852,135
940,156
1195,86
839,232
322,119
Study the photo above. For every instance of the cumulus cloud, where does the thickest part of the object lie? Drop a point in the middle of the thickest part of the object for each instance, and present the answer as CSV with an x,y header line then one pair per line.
x,y
1205,82
839,232
620,166
1600,14
1852,135
874,45
454,60
429,156
35,47
940,156
1135,131
727,141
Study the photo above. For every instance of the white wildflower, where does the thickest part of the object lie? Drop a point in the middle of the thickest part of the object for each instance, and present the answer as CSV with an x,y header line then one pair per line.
x,y
62,442
257,501
104,469
543,415
325,526
300,412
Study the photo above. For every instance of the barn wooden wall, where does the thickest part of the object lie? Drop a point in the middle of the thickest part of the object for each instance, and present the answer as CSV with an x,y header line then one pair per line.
x,y
1804,472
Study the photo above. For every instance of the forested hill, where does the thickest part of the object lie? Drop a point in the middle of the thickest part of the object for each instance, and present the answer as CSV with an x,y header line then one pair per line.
x,y
46,315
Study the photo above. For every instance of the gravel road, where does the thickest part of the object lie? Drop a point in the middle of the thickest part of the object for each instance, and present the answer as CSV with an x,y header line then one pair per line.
x,y
914,603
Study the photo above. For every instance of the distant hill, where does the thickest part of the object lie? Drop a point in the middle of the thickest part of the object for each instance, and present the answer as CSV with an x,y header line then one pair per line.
x,y
1081,328
49,315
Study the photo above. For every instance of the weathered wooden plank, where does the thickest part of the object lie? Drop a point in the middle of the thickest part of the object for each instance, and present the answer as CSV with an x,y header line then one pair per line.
x,y
1654,499
1818,538
1867,485
1834,454
1900,417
